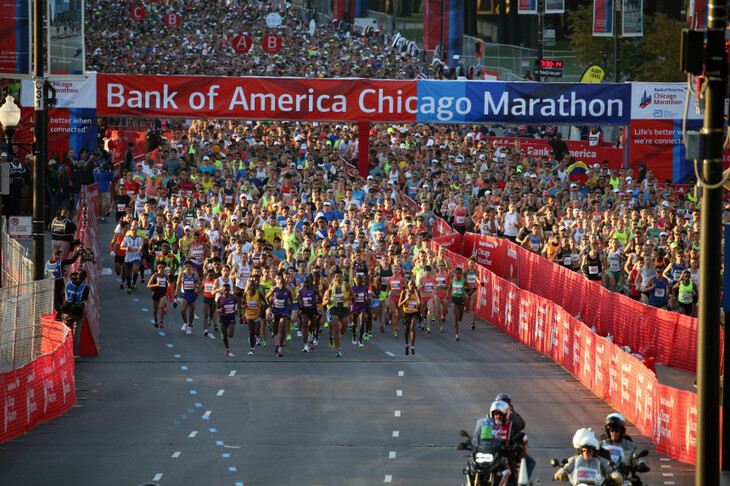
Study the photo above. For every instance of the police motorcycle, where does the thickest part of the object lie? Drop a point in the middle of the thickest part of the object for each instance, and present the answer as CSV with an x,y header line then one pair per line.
x,y
621,452
586,468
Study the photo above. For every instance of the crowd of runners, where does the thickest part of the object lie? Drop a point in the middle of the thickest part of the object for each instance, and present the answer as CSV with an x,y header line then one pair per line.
x,y
277,231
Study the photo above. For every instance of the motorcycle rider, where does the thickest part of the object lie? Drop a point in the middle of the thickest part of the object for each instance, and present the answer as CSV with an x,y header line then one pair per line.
x,y
617,446
587,461
498,425
518,423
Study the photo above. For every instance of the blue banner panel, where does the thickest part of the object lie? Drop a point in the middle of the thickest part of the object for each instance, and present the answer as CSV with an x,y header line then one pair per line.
x,y
455,41
518,103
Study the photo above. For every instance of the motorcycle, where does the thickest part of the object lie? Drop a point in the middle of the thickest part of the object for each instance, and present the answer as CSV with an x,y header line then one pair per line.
x,y
630,473
587,473
489,463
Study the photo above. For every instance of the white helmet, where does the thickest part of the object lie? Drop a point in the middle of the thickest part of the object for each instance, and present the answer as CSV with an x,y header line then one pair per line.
x,y
499,406
585,438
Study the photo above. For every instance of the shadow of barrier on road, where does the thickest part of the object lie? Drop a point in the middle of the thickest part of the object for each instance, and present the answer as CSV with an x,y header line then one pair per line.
x,y
540,304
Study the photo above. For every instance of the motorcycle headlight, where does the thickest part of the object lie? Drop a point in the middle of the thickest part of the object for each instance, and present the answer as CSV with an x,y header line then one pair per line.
x,y
483,457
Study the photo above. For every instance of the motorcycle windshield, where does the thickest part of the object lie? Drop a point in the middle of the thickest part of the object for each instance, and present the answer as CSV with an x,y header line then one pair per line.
x,y
586,475
492,436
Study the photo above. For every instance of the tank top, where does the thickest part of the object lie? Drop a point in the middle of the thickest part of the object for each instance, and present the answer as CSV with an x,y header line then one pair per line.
x,y
471,277
188,284
208,288
411,304
359,298
161,281
457,288
594,267
197,253
440,281
659,293
614,261
339,296
253,306
427,285
510,224
280,302
222,281
308,299
459,217
396,285
686,292
228,305
385,275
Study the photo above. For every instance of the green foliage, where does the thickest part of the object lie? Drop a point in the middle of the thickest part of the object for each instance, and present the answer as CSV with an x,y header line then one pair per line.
x,y
653,57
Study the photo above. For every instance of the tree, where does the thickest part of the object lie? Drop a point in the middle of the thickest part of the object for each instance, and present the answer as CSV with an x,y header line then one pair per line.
x,y
653,57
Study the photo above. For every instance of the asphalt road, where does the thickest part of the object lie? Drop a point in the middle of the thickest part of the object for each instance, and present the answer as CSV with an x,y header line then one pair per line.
x,y
166,407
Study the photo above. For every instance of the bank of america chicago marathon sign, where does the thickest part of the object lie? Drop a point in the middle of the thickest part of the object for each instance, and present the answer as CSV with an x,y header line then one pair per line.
x,y
353,99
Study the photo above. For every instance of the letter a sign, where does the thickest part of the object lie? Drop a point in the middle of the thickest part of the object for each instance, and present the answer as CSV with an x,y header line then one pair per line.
x,y
272,43
138,13
172,20
242,43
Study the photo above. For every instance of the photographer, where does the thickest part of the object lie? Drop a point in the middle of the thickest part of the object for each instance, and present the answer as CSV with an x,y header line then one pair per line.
x,y
104,175
55,270
76,295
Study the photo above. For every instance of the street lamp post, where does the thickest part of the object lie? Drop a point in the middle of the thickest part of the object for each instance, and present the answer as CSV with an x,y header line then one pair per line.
x,y
9,119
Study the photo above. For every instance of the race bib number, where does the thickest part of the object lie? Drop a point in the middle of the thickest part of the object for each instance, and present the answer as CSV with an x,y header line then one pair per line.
x,y
659,292
208,287
252,304
307,301
395,284
279,303
471,278
411,305
121,208
593,269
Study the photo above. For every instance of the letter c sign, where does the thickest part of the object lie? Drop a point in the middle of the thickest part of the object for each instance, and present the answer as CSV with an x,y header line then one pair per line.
x,y
138,13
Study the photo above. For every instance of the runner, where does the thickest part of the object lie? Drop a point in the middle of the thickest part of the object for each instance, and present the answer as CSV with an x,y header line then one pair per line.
x,y
336,299
309,297
457,292
132,246
159,284
428,300
410,303
188,287
209,305
280,298
253,302
472,294
227,310
120,266
358,309
396,284
385,272
443,283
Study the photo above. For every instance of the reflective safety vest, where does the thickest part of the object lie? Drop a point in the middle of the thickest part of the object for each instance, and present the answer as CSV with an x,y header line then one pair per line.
x,y
53,269
74,293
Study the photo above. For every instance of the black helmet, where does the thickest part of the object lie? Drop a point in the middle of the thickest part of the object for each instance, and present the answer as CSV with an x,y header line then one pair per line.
x,y
503,397
615,420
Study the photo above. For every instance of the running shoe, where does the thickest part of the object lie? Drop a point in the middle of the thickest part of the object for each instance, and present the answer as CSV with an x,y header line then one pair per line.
x,y
311,345
184,327
222,335
428,330
288,337
174,304
413,350
263,344
250,353
473,326
129,289
292,326
395,333
382,329
240,319
354,341
157,324
299,333
142,280
407,349
332,342
305,349
387,322
134,287
457,338
326,325
338,353
315,342
164,308
442,329
258,341
189,330
161,325
215,328
279,353
361,344
228,353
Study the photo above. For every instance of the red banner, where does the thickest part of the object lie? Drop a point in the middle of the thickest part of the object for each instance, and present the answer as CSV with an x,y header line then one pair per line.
x,y
489,252
579,150
256,98
42,389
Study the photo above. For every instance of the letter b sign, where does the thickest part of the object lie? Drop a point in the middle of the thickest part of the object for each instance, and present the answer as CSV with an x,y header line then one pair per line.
x,y
272,43
172,20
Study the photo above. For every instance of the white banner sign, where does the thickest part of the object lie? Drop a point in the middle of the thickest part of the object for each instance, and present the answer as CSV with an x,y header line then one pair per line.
x,y
661,101
69,94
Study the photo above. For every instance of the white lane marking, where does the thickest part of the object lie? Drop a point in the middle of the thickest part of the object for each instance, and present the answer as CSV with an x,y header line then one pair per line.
x,y
388,478
668,482
399,393
220,393
193,434
397,413
667,465
176,454
232,447
157,477
232,373
667,475
396,433
391,455
206,415
666,459
400,373
390,354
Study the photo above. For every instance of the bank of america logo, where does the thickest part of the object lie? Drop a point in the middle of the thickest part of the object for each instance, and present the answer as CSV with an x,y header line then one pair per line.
x,y
645,100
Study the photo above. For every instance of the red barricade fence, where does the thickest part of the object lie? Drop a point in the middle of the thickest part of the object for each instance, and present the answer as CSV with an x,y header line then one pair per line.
x,y
42,389
541,312
87,210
